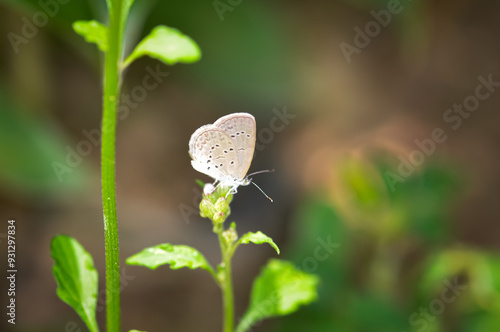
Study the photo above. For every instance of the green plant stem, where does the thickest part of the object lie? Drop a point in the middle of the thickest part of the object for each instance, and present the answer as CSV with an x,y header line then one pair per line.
x,y
228,295
112,80
226,280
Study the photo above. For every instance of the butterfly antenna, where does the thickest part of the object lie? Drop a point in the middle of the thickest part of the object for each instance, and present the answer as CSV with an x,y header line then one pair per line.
x,y
262,191
263,171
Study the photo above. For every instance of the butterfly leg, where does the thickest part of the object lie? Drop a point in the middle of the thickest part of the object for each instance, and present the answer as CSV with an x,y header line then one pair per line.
x,y
232,191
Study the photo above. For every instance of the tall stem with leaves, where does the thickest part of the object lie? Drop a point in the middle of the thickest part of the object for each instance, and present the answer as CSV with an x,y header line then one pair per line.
x,y
111,93
74,270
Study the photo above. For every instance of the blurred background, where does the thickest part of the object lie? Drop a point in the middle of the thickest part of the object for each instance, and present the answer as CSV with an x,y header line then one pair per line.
x,y
380,118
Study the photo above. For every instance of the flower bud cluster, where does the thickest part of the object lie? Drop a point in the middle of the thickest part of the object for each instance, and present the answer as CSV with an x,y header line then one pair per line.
x,y
214,204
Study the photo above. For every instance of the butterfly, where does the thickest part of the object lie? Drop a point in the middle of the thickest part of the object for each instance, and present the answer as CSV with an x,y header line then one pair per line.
x,y
224,150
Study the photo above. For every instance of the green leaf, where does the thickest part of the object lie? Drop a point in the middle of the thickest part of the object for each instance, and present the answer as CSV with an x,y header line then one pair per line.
x,y
279,290
93,32
177,256
258,238
76,278
168,45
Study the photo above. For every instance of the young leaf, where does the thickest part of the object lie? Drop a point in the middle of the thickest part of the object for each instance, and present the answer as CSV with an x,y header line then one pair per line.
x,y
258,238
279,290
76,278
93,32
177,256
168,45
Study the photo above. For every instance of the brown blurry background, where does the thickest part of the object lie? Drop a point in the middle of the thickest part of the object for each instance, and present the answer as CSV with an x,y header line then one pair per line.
x,y
349,125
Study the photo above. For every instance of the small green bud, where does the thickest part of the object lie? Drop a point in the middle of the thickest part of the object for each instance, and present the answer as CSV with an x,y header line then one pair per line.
x,y
221,205
219,217
206,208
230,235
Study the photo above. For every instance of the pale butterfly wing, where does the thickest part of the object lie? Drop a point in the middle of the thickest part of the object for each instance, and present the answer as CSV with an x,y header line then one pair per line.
x,y
241,129
214,154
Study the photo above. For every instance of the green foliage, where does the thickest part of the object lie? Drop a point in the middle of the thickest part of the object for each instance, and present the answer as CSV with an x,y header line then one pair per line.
x,y
445,264
481,321
177,256
30,149
423,202
279,290
404,258
168,45
76,278
469,271
258,238
376,312
93,32
67,13
371,202
316,220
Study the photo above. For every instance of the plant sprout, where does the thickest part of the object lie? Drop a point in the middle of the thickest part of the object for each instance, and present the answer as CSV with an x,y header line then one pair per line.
x,y
279,289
